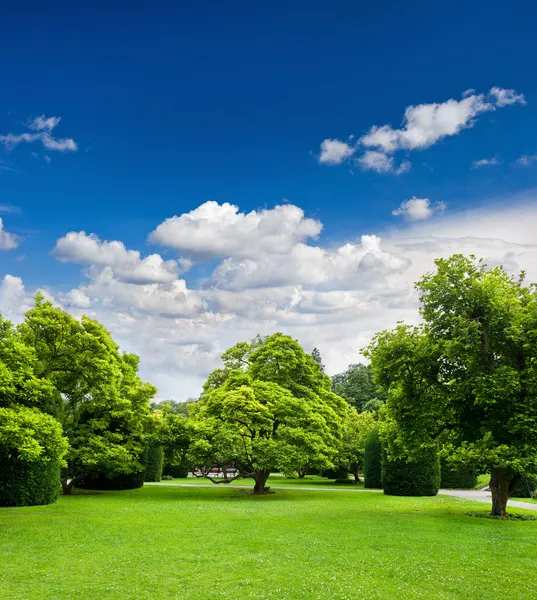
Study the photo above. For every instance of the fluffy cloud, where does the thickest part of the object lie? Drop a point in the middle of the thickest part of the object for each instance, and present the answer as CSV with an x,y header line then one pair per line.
x,y
418,209
486,162
423,126
334,152
43,123
219,230
333,298
126,265
43,127
8,241
373,160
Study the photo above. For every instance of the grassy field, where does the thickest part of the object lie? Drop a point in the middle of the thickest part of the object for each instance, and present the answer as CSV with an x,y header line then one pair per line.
x,y
220,542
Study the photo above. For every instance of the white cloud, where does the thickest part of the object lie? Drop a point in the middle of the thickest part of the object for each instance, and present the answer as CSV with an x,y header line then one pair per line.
x,y
8,241
486,162
10,209
126,265
219,230
334,152
526,160
372,160
43,126
418,209
334,298
502,97
43,123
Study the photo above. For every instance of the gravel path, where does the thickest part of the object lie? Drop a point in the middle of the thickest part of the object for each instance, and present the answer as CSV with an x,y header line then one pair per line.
x,y
478,495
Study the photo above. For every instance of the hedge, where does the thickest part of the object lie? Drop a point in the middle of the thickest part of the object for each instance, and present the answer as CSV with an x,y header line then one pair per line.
x,y
417,477
100,481
175,471
32,447
373,460
153,466
526,487
460,477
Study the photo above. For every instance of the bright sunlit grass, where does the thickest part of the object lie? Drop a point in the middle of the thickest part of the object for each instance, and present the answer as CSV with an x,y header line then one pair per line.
x,y
220,542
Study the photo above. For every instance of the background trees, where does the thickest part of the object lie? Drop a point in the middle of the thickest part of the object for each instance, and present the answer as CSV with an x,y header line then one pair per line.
x,y
356,385
466,379
271,407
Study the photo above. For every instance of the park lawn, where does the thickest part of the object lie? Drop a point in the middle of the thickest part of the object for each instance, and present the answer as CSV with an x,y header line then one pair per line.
x,y
276,480
222,543
528,500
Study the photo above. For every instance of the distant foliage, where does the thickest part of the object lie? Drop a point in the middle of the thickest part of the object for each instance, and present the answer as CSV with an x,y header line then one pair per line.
x,y
172,471
373,461
412,477
460,477
316,355
526,488
153,466
356,385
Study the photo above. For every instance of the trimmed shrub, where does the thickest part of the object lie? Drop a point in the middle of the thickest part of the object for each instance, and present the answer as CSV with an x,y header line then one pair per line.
x,y
166,478
32,447
460,477
373,460
338,473
153,466
417,477
526,488
100,481
176,471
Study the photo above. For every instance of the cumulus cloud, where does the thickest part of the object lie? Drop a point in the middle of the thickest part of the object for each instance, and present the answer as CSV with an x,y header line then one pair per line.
x,y
8,241
334,152
43,123
219,230
486,162
334,298
418,209
423,126
502,97
43,127
126,265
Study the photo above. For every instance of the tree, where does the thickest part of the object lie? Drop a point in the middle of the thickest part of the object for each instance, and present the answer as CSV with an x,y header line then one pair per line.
x,y
104,406
316,355
173,406
356,385
467,377
269,408
373,460
357,427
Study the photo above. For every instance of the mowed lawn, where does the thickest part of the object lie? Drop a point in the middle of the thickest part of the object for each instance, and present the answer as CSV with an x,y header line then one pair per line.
x,y
221,542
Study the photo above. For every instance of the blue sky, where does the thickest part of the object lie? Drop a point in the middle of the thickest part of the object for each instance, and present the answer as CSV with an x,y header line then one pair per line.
x,y
172,106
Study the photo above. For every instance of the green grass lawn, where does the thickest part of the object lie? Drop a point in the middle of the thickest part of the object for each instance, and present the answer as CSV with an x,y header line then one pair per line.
x,y
215,543
529,500
276,480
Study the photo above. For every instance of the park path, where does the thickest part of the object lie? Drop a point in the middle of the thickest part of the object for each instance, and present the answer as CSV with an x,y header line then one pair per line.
x,y
477,495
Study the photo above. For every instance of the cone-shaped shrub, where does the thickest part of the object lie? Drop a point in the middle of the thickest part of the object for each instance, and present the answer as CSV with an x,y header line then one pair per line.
x,y
417,477
373,461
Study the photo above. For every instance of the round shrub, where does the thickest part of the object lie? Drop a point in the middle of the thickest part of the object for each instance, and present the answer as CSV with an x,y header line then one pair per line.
x,y
176,471
32,448
153,466
526,488
416,477
373,460
460,477
100,481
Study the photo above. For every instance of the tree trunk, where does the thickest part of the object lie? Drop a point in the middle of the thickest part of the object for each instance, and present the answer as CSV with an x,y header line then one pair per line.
x,y
356,476
502,484
260,479
69,484
301,473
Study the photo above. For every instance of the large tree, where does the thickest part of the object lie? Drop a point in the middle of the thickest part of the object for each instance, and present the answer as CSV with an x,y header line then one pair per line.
x,y
104,406
270,407
356,385
466,379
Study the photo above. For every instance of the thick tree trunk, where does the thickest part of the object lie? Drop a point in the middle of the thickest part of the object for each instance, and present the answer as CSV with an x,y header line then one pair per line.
x,y
502,484
301,474
260,479
356,476
69,484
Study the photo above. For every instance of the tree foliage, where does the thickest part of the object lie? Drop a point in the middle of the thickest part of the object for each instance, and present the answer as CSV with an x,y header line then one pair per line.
x,y
356,385
270,407
467,378
356,429
373,460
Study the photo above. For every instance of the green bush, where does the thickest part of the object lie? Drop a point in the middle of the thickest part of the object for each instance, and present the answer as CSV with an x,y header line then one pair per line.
x,y
176,471
166,478
153,466
32,447
526,487
101,481
373,460
460,477
416,477
340,474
